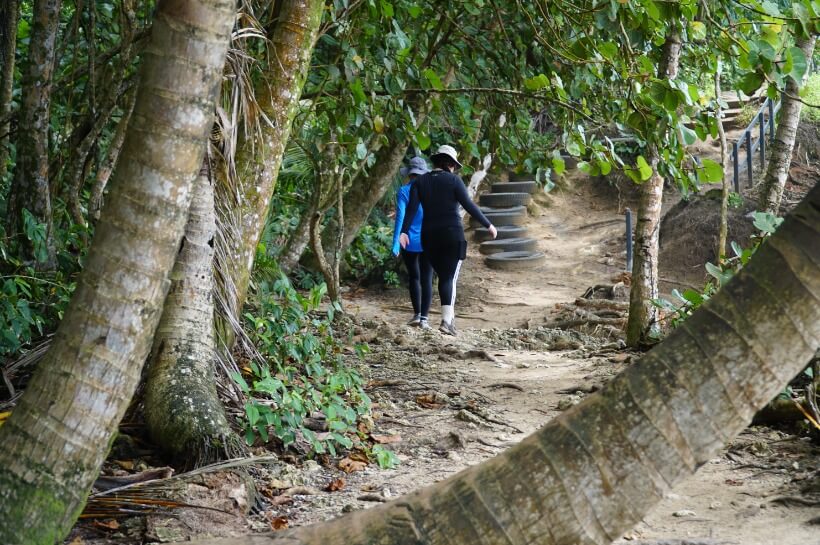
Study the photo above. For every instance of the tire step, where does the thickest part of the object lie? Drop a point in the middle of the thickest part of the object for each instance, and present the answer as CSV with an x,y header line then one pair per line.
x,y
524,186
504,232
498,217
501,200
514,261
517,244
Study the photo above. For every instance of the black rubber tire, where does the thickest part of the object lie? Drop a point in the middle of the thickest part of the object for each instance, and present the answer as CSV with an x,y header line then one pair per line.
x,y
514,261
501,200
518,244
496,209
504,232
528,186
498,217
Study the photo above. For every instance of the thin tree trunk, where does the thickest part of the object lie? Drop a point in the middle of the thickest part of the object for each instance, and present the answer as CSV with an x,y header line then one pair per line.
x,y
30,189
329,265
780,159
595,471
52,446
9,16
642,326
724,161
112,154
258,159
297,242
183,413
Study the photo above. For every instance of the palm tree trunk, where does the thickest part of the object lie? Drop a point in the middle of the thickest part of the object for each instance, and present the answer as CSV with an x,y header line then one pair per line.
x,y
642,326
52,446
183,413
596,470
30,189
258,159
9,15
777,171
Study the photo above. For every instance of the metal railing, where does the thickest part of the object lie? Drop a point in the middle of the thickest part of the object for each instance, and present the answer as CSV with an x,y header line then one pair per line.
x,y
762,124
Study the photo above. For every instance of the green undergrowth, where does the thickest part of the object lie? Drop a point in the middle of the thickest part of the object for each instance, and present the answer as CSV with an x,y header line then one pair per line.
x,y
304,377
811,95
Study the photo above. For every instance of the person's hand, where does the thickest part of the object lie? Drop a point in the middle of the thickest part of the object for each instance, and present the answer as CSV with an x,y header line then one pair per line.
x,y
404,240
493,231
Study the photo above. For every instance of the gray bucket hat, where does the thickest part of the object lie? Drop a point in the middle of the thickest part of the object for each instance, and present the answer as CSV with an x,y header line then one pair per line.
x,y
417,166
450,152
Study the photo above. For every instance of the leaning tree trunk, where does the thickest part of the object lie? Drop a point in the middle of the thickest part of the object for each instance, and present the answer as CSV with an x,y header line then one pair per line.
x,y
30,189
597,469
52,446
780,159
258,160
642,326
9,15
183,413
724,161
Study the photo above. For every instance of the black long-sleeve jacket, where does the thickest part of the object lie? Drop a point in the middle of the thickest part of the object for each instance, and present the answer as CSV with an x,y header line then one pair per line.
x,y
440,193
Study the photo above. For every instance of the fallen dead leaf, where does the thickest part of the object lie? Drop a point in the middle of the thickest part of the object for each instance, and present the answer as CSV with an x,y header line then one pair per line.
x,y
110,524
77,541
386,439
358,456
335,485
349,466
125,464
278,523
276,501
431,400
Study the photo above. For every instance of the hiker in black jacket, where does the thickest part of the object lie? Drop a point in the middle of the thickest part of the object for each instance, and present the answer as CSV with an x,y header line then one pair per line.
x,y
440,192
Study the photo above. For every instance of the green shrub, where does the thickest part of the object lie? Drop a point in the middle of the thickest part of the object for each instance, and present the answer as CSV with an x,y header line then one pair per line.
x,y
303,371
811,94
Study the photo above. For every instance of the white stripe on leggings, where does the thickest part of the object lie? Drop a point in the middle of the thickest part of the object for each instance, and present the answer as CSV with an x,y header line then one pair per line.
x,y
455,280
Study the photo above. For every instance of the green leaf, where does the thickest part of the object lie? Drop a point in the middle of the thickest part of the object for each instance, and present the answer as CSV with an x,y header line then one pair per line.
x,y
536,83
697,31
644,170
414,11
709,171
558,164
688,136
387,8
767,223
423,140
751,82
645,65
432,77
609,50
604,166
361,151
771,8
799,64
358,91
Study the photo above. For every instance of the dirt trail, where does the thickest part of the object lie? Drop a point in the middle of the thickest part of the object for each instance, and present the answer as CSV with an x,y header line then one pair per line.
x,y
442,404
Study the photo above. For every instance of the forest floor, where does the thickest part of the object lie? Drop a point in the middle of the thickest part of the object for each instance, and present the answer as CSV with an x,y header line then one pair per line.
x,y
442,404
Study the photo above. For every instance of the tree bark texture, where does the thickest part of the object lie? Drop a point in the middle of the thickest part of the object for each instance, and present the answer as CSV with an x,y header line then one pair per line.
x,y
30,189
52,446
9,16
258,159
594,472
643,315
183,413
777,171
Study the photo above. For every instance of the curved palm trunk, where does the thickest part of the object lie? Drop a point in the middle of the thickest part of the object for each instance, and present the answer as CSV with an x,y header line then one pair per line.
x,y
30,189
9,15
182,410
258,159
596,470
52,446
777,171
641,329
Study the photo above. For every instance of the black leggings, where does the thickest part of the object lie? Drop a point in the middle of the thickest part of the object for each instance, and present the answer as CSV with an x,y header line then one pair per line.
x,y
421,281
446,258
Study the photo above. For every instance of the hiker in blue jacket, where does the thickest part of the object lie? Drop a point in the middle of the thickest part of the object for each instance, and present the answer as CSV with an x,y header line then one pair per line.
x,y
418,267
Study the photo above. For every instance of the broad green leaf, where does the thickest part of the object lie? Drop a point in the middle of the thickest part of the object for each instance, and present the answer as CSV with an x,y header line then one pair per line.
x,y
432,77
771,8
536,83
414,11
767,223
710,171
604,166
687,135
608,49
358,91
751,82
697,31
387,8
558,164
652,10
645,65
423,140
361,151
644,170
799,64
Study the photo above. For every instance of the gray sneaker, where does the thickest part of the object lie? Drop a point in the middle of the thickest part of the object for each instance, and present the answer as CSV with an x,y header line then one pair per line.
x,y
424,324
415,321
448,329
